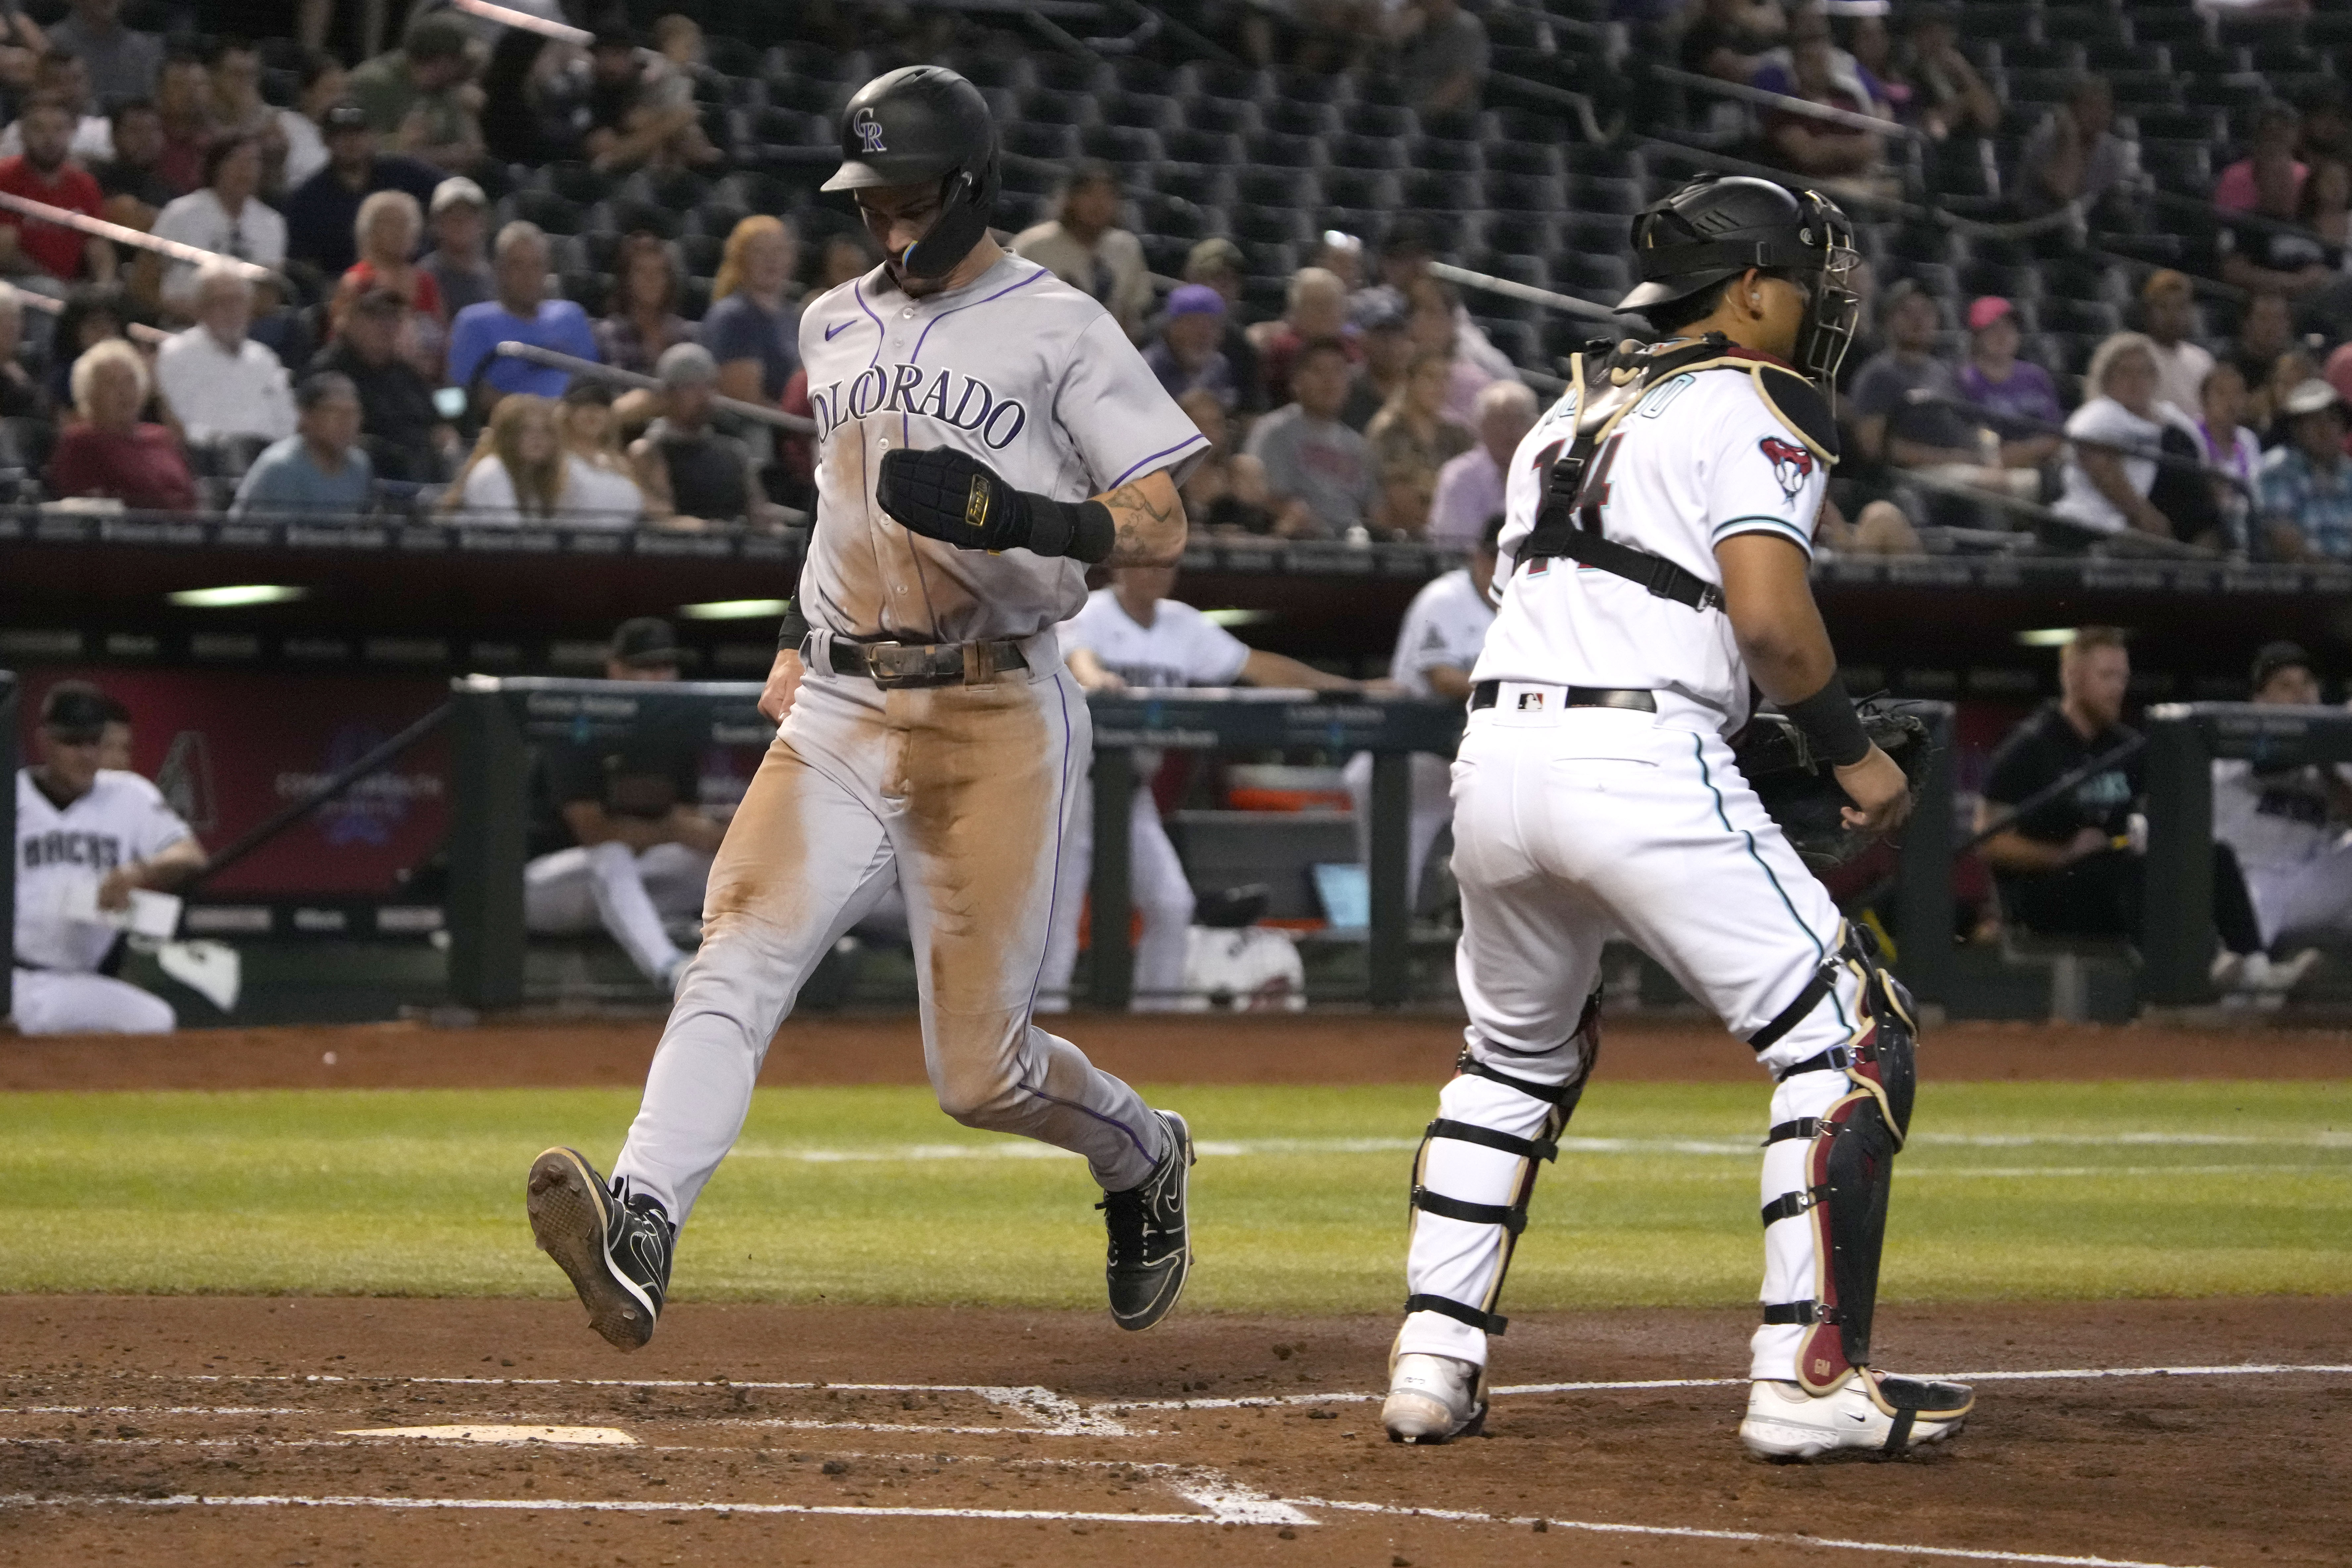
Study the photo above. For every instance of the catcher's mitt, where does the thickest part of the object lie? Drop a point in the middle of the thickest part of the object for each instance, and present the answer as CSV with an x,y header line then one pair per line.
x,y
1800,792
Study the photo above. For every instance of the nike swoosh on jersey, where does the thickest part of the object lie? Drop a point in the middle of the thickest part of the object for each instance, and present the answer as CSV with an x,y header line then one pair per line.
x,y
832,332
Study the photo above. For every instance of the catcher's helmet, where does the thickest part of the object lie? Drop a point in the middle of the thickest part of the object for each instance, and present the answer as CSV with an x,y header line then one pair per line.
x,y
913,126
1718,226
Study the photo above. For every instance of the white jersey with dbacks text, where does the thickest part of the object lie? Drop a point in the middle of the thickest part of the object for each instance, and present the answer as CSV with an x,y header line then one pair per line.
x,y
1444,627
1181,646
1700,459
120,818
1017,368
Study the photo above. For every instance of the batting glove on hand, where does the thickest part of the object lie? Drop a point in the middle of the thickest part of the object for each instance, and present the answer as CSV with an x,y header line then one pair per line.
x,y
955,497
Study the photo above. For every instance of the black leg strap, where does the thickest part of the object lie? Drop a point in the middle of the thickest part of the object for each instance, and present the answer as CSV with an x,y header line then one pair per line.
x,y
1834,1059
1487,1137
1560,1094
1789,1206
1898,1437
1493,1322
1785,1313
1800,1005
1514,1220
1802,1127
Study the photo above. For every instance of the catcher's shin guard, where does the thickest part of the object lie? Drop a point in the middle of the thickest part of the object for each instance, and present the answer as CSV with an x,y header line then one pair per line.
x,y
1849,1158
1530,1115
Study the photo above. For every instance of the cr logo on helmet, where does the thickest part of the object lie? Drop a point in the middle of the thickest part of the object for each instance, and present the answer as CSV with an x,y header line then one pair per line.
x,y
869,131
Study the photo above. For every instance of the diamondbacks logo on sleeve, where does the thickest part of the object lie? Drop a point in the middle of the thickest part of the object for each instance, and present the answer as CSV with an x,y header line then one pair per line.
x,y
1791,464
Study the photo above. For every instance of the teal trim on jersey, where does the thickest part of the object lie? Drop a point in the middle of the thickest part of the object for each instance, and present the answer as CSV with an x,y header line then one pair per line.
x,y
1749,525
1699,753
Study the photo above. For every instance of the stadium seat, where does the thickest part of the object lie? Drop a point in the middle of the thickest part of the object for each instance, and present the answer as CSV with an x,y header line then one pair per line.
x,y
548,211
1369,188
1365,151
1377,120
1141,110
1120,144
1053,106
1224,116
626,214
1050,143
1301,119
1208,147
587,289
1276,150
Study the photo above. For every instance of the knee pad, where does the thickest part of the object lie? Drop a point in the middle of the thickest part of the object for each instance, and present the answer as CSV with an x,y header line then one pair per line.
x,y
1848,1167
1557,1103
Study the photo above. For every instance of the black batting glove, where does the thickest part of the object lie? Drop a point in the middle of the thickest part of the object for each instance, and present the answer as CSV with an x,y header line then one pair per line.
x,y
955,497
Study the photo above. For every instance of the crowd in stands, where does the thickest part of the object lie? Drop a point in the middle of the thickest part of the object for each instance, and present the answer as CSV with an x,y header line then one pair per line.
x,y
415,208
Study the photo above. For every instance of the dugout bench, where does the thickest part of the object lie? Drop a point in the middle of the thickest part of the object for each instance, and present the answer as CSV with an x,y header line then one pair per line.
x,y
497,719
2184,741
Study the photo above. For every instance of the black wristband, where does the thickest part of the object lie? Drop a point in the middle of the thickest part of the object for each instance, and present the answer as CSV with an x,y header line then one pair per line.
x,y
794,629
1829,725
1082,529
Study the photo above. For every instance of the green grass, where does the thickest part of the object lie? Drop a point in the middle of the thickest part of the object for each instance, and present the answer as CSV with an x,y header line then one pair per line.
x,y
420,1194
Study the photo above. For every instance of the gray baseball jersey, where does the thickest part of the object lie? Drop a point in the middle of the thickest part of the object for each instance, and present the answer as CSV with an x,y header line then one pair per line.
x,y
1017,368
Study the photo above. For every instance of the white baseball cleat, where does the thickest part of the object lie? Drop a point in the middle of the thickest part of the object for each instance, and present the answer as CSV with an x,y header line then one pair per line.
x,y
1433,1399
1784,1422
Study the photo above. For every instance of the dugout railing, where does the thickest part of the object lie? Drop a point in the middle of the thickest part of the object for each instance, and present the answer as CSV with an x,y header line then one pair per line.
x,y
497,720
2184,741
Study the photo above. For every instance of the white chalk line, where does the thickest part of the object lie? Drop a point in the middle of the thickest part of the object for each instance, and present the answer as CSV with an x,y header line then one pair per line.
x,y
1237,1505
1247,1402
1684,1533
1245,1148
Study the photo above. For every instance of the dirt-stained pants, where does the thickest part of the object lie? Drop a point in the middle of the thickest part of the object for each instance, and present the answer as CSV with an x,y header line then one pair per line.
x,y
958,796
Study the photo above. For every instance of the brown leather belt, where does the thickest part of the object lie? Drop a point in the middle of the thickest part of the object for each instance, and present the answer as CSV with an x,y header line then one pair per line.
x,y
1485,693
893,666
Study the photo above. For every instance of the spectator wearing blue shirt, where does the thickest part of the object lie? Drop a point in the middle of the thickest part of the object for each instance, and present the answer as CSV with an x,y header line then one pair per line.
x,y
2306,484
319,470
522,313
752,329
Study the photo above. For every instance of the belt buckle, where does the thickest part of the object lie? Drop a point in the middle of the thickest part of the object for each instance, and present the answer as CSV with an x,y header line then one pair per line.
x,y
892,664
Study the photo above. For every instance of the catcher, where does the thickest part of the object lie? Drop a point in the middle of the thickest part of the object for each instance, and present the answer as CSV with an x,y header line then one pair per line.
x,y
1654,561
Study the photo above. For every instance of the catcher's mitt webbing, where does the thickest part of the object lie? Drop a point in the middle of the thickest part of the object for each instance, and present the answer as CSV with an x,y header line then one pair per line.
x,y
1799,790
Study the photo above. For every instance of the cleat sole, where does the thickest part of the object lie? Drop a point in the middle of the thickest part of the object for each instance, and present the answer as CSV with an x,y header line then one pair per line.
x,y
570,1218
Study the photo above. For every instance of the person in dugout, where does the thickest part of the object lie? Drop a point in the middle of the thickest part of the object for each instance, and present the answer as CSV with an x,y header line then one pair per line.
x,y
637,845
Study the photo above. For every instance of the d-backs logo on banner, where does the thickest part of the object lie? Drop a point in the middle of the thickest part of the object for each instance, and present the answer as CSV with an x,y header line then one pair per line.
x,y
1791,465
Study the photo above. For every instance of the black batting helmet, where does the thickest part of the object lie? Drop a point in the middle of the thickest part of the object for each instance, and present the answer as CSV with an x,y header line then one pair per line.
x,y
914,126
1719,226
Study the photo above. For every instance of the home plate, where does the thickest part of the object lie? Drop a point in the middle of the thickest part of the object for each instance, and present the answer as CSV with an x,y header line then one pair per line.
x,y
588,1436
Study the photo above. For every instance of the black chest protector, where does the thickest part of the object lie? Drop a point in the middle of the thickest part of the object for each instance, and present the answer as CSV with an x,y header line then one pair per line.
x,y
1609,384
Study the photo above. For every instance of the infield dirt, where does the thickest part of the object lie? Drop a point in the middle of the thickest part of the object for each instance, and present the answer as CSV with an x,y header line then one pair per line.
x,y
142,1401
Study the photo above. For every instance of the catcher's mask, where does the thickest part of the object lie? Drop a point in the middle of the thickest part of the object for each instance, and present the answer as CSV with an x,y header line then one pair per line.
x,y
1719,226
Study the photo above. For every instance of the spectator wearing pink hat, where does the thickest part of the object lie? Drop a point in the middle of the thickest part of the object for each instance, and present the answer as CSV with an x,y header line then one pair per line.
x,y
1187,355
2017,398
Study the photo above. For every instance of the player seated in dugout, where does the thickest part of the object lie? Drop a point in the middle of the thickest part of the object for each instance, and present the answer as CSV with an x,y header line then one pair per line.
x,y
2287,826
2071,864
87,837
628,847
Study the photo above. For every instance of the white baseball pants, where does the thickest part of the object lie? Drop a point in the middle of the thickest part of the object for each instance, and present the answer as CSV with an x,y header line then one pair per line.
x,y
1432,808
2315,895
1570,827
957,795
572,891
50,1003
1161,891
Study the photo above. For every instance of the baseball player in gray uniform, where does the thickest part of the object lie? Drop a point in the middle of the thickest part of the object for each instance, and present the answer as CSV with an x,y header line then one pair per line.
x,y
986,432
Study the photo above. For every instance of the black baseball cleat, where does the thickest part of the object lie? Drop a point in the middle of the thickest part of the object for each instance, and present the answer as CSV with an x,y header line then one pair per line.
x,y
617,1253
1151,1247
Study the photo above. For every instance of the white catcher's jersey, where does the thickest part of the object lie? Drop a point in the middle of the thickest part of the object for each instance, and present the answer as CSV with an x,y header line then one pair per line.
x,y
1181,646
1445,625
1701,458
121,819
1016,368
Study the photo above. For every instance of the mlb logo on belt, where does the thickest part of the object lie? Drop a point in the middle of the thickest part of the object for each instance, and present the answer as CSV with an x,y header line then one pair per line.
x,y
1531,701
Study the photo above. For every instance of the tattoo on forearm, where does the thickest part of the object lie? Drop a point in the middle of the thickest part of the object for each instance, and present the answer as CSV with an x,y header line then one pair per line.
x,y
1143,521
